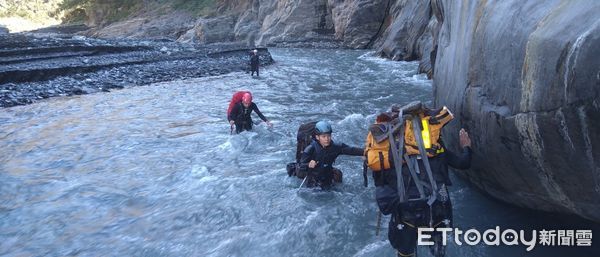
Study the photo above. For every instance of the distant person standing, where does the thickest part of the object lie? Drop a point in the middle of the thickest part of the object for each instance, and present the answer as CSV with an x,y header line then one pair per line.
x,y
254,61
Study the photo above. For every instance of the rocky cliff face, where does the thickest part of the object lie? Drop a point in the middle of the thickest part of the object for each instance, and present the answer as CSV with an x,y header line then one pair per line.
x,y
408,32
154,23
524,78
355,24
359,23
267,22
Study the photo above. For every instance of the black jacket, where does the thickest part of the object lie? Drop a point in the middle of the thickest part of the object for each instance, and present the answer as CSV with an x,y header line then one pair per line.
x,y
254,61
241,115
326,156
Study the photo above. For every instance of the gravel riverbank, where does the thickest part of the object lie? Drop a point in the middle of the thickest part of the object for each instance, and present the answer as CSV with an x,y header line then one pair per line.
x,y
37,66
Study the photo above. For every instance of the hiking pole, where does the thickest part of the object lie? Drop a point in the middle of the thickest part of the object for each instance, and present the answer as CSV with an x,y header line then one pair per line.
x,y
365,175
231,130
378,223
303,182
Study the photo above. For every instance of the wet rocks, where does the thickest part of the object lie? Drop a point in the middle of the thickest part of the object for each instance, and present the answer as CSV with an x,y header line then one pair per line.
x,y
33,68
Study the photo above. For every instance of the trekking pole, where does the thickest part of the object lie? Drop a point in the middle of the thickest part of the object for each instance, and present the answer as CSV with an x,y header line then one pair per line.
x,y
231,130
365,175
378,223
303,182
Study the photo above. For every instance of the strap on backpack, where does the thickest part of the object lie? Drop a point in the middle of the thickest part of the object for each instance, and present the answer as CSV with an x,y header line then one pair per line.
x,y
396,153
417,133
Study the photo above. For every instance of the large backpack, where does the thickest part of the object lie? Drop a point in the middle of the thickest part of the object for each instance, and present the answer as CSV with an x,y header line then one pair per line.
x,y
432,122
397,140
377,150
305,135
235,99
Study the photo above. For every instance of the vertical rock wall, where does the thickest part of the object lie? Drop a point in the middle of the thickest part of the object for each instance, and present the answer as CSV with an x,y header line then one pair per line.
x,y
524,78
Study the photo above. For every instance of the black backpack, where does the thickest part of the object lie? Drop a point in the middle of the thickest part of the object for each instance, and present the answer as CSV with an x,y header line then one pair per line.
x,y
305,135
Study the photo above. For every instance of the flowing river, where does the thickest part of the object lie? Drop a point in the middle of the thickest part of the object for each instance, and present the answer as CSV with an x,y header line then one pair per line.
x,y
154,171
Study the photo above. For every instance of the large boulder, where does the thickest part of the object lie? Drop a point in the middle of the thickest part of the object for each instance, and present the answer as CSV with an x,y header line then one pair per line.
x,y
264,22
358,23
290,20
213,30
407,34
170,26
524,78
247,27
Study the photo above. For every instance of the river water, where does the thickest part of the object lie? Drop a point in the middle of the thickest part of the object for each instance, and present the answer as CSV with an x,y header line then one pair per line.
x,y
154,171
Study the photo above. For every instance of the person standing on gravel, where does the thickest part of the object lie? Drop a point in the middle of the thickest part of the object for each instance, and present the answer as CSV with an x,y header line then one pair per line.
x,y
254,61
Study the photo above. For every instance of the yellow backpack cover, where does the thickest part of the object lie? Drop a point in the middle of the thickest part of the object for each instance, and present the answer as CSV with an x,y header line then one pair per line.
x,y
377,153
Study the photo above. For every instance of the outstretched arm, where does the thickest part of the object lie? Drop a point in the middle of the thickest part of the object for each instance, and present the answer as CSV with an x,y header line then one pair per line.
x,y
262,117
462,160
354,151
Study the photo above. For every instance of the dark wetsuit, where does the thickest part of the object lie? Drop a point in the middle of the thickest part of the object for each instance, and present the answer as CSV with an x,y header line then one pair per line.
x,y
406,216
254,60
325,157
241,116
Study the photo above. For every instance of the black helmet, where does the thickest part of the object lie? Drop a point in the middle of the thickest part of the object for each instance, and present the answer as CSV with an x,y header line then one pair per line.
x,y
323,127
